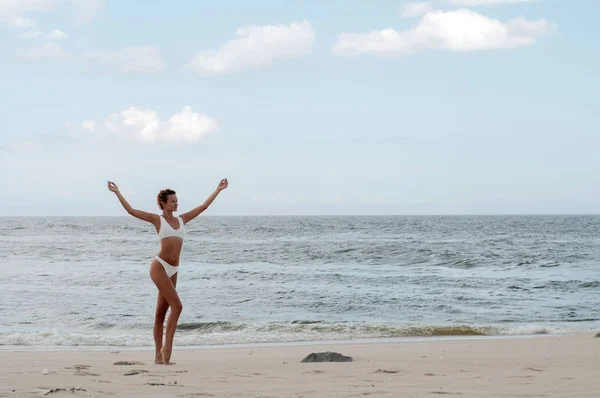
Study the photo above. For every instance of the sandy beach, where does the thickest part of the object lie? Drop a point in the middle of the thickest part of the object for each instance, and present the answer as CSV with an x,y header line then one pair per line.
x,y
537,366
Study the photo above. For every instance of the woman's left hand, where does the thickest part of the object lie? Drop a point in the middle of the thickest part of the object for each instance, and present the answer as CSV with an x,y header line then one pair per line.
x,y
223,184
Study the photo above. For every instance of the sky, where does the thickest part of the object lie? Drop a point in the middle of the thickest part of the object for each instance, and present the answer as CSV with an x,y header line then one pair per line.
x,y
308,107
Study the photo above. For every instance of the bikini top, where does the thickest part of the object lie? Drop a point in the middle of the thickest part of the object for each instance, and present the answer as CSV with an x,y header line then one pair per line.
x,y
167,231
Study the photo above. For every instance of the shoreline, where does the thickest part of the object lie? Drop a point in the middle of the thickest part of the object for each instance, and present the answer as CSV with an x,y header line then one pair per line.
x,y
283,344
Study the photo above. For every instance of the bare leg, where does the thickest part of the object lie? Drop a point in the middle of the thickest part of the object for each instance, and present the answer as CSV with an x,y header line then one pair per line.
x,y
161,311
166,289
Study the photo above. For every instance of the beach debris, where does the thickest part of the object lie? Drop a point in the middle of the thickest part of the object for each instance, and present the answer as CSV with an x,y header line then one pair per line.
x,y
534,369
163,384
71,389
79,367
128,363
85,373
47,372
135,372
387,371
327,356
597,334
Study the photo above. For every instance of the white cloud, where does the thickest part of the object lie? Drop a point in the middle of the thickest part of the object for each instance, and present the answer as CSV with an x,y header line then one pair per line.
x,y
142,59
89,125
50,50
416,9
474,3
88,9
13,13
189,126
58,34
55,34
256,46
11,9
144,125
23,23
459,30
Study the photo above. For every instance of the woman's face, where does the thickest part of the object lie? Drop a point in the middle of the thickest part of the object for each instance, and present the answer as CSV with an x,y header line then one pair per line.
x,y
171,203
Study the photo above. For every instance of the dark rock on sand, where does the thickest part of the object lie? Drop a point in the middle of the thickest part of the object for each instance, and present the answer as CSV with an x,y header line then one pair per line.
x,y
598,334
327,356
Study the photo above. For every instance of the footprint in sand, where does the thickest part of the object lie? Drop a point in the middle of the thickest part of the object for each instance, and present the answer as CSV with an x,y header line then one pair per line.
x,y
241,375
389,371
85,373
135,372
71,390
79,367
128,363
164,385
81,370
534,369
520,377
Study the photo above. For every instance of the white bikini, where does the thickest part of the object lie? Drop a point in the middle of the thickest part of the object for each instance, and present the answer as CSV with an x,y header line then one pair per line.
x,y
167,231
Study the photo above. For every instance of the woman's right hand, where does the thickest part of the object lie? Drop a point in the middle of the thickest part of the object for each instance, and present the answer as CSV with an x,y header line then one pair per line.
x,y
113,187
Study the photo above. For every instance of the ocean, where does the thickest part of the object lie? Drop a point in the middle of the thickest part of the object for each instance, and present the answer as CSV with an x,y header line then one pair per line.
x,y
80,282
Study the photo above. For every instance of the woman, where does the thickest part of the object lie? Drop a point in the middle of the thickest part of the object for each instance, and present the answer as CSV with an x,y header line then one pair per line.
x,y
164,267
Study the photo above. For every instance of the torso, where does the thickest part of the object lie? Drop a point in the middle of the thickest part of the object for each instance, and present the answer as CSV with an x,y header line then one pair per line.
x,y
170,246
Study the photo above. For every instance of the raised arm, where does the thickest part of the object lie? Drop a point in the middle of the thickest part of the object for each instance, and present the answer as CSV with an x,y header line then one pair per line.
x,y
142,215
190,215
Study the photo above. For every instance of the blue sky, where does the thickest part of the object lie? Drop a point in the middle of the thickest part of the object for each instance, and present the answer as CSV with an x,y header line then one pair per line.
x,y
307,107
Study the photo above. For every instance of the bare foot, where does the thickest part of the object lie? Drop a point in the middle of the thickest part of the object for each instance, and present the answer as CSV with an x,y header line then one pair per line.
x,y
166,356
159,359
